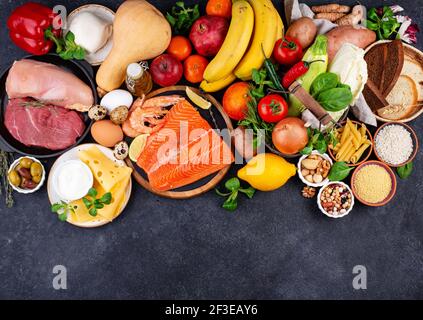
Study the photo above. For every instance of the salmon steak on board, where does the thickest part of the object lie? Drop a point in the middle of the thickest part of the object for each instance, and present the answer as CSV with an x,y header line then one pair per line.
x,y
186,149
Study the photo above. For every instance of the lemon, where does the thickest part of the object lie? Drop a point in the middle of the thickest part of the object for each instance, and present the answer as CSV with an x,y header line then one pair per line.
x,y
267,172
197,99
137,146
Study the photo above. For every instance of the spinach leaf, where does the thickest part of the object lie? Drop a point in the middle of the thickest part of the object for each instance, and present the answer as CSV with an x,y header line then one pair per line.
x,y
323,82
405,171
335,99
339,171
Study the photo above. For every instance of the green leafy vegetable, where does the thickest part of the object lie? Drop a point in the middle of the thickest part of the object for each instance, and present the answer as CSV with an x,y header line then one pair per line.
x,y
233,186
323,82
385,26
339,171
95,204
319,141
252,119
62,209
66,46
335,99
405,171
181,18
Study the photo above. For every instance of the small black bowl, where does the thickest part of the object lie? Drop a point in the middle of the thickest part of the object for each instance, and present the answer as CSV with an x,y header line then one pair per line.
x,y
80,69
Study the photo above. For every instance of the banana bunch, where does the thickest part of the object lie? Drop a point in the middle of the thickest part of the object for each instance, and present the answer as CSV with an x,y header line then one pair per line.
x,y
254,29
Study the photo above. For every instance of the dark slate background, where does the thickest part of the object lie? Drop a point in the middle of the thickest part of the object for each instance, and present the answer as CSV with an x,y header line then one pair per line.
x,y
276,246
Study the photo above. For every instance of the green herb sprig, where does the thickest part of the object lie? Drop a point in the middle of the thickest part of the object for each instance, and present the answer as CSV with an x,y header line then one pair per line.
x,y
319,141
62,209
6,158
181,18
252,119
386,27
94,204
66,46
234,188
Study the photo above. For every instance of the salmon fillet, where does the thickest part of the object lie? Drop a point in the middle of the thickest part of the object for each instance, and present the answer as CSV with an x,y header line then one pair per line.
x,y
185,150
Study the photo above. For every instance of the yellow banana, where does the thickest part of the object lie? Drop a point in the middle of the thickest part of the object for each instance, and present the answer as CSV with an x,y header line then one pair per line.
x,y
217,85
280,27
265,26
235,44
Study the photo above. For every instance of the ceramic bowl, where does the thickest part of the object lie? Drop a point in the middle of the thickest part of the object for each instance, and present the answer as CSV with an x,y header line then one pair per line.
x,y
320,204
303,179
413,137
393,180
27,191
366,154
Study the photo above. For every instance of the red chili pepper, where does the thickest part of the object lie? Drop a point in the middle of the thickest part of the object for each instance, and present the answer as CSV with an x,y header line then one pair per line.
x,y
27,26
295,72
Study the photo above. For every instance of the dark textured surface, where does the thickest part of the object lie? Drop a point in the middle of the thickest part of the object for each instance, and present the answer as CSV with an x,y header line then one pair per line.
x,y
276,246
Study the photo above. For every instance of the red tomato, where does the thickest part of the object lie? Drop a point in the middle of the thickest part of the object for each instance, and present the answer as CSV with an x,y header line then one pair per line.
x,y
194,67
272,108
220,8
287,51
235,100
180,47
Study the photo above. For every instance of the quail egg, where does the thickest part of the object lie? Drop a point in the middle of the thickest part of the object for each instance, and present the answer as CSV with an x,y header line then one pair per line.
x,y
119,114
121,150
97,112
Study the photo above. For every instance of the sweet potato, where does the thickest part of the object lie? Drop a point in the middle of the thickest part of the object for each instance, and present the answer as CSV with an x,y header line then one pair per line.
x,y
361,37
304,30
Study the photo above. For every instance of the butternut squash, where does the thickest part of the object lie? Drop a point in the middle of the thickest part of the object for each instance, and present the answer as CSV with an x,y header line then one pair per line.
x,y
140,32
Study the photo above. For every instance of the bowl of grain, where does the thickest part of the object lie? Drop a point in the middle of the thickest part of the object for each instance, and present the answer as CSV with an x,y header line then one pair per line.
x,y
395,144
335,199
373,183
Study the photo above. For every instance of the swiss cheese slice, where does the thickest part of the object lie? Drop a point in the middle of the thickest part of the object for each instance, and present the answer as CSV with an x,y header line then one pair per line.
x,y
105,171
108,177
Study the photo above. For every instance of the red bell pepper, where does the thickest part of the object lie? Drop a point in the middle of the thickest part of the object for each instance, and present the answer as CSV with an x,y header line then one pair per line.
x,y
27,26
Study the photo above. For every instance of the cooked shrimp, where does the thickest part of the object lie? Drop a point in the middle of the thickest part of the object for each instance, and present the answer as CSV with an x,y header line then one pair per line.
x,y
148,117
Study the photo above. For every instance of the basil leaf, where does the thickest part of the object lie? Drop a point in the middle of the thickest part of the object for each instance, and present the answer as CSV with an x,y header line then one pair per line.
x,y
232,184
106,198
87,203
92,192
321,146
335,99
405,171
93,212
323,82
307,150
339,171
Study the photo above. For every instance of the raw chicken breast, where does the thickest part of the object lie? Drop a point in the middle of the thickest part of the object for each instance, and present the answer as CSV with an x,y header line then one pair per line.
x,y
48,83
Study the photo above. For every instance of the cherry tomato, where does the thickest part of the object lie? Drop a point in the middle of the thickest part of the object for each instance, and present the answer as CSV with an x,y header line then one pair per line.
x,y
287,51
180,47
272,108
220,8
235,100
194,67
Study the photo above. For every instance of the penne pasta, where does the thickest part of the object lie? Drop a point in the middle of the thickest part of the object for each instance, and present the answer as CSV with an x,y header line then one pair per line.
x,y
353,142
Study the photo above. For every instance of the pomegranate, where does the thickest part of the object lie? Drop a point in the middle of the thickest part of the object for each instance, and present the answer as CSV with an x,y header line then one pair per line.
x,y
208,33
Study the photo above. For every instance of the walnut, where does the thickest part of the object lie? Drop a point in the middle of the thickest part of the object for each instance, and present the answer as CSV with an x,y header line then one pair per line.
x,y
308,192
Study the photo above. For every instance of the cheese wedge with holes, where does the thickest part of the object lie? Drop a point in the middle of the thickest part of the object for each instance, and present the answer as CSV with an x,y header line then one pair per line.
x,y
108,177
105,171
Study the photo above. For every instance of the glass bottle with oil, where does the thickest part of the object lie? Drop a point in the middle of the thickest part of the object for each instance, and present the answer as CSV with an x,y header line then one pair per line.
x,y
138,79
